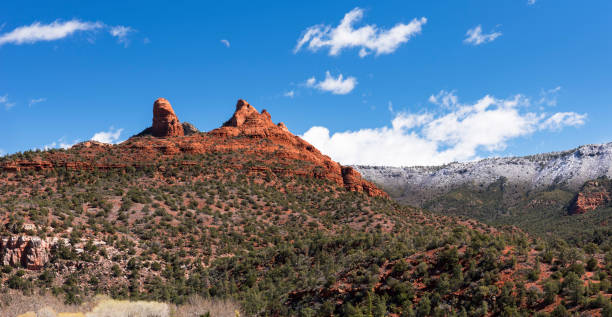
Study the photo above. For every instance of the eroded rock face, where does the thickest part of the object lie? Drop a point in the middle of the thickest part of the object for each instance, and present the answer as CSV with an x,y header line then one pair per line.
x,y
593,195
354,182
247,115
27,251
165,121
247,121
248,132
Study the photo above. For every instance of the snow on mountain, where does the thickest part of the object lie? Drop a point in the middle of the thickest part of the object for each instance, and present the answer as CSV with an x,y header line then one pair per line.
x,y
571,168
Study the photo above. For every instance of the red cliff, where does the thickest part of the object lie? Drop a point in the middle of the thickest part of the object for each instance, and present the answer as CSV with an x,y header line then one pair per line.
x,y
248,132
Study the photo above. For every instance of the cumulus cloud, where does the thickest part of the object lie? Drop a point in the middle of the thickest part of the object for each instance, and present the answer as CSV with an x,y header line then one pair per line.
x,y
110,136
225,42
5,101
35,101
457,132
531,2
337,86
121,32
37,32
475,36
289,94
368,38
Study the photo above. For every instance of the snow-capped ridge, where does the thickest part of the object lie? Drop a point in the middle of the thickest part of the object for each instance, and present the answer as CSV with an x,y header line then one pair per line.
x,y
568,168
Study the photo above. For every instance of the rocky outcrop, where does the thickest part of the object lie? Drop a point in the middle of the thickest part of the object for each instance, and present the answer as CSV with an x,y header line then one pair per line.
x,y
248,132
352,181
165,121
26,251
283,126
89,144
248,122
247,116
594,194
189,129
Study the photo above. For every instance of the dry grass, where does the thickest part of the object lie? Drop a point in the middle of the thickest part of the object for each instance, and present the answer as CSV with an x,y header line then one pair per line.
x,y
197,306
12,305
15,304
122,308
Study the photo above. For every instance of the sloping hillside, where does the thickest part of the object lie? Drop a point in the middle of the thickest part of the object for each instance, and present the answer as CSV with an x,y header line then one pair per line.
x,y
251,212
557,195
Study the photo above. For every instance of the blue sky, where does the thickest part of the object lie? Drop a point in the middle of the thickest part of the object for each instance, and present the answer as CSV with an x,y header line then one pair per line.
x,y
421,82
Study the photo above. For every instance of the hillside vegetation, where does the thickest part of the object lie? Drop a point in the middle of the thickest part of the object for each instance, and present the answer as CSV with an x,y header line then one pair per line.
x,y
253,214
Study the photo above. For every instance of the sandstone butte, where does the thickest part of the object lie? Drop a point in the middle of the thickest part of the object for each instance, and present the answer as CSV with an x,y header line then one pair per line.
x,y
165,121
248,131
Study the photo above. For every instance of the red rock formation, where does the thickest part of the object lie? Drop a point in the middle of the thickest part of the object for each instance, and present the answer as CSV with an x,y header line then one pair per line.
x,y
594,194
248,122
283,126
26,251
246,132
243,112
353,182
91,143
165,122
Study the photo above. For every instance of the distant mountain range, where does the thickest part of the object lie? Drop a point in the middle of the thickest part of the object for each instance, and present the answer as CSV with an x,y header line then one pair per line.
x,y
561,194
568,169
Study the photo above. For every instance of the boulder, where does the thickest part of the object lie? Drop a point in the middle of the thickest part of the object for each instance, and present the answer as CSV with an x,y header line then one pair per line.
x,y
189,129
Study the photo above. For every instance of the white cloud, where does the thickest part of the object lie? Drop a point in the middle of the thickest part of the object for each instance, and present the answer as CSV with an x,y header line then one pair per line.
x,y
121,32
531,2
61,143
368,38
5,101
289,94
475,36
337,86
35,101
457,132
37,32
560,120
110,136
444,98
2,153
225,42
549,97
